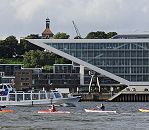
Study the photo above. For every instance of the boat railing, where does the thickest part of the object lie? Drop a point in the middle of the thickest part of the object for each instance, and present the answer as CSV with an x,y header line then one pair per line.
x,y
24,96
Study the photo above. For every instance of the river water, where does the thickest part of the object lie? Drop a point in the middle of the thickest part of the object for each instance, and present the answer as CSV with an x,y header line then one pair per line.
x,y
127,118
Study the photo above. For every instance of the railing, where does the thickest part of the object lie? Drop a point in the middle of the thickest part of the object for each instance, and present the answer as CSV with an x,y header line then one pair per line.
x,y
22,96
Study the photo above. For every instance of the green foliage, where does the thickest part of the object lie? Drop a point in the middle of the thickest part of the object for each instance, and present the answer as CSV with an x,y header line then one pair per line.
x,y
48,69
38,58
96,35
33,36
9,47
61,36
27,46
111,34
11,61
100,35
41,59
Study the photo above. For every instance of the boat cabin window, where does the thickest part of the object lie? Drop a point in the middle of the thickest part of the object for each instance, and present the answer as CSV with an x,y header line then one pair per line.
x,y
9,86
51,96
1,86
57,95
5,87
133,89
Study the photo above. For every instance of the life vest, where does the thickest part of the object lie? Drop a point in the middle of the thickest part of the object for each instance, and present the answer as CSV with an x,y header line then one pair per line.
x,y
53,109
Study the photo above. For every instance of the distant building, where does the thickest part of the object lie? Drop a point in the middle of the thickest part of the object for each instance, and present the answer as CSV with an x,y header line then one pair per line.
x,y
123,61
23,79
9,69
7,72
63,76
47,33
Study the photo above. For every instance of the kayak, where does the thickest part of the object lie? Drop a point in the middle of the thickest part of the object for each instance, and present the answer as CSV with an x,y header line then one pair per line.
x,y
56,112
99,111
7,111
144,110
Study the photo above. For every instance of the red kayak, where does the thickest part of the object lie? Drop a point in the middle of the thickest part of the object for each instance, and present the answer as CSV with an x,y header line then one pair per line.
x,y
7,111
55,112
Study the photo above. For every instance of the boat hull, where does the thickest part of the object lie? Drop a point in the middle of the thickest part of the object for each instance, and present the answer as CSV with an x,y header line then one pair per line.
x,y
7,111
56,112
98,111
40,102
21,99
144,110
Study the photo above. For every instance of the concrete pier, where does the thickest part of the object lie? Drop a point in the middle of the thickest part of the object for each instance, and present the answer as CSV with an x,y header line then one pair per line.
x,y
133,96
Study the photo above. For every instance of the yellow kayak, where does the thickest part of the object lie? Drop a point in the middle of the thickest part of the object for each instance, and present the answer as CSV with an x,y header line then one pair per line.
x,y
144,110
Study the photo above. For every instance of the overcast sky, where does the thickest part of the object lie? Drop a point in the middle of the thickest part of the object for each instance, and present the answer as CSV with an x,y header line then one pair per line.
x,y
23,17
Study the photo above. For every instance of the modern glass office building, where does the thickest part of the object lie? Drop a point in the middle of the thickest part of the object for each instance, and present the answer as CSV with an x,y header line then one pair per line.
x,y
124,59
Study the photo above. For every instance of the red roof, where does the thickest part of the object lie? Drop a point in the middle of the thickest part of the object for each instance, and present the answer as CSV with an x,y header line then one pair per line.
x,y
47,31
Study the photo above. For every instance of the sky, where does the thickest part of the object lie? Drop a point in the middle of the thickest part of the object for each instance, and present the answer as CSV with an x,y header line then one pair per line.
x,y
23,17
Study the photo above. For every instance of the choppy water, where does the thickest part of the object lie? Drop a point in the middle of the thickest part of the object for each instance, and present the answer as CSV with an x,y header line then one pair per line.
x,y
127,118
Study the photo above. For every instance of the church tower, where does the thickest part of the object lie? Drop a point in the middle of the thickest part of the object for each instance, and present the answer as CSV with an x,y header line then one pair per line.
x,y
47,32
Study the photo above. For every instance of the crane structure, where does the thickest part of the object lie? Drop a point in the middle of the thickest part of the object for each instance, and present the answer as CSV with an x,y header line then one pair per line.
x,y
77,31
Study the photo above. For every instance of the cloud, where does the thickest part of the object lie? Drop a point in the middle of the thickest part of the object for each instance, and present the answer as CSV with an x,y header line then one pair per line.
x,y
28,16
26,9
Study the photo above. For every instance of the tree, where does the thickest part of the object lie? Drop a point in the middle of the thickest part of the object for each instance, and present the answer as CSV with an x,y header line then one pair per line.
x,y
111,34
37,58
33,36
9,47
96,35
61,36
27,46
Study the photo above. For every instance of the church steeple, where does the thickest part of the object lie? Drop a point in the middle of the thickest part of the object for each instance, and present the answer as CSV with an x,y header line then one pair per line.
x,y
47,23
47,32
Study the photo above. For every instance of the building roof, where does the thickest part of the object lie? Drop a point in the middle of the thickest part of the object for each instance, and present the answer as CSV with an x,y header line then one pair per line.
x,y
131,36
47,31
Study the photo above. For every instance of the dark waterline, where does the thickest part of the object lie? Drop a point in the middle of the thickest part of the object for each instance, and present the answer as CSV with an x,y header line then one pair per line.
x,y
127,118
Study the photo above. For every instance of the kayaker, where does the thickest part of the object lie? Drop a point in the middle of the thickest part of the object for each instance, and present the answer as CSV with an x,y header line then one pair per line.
x,y
2,107
102,107
53,109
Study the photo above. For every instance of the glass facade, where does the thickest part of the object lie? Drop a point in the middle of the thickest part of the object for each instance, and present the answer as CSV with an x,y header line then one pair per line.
x,y
129,60
9,69
66,68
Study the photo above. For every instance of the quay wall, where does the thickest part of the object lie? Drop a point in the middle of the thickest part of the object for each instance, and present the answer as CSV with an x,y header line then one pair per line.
x,y
94,96
132,97
123,97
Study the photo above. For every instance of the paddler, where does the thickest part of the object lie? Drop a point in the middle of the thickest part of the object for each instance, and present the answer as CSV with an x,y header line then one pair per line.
x,y
102,107
53,109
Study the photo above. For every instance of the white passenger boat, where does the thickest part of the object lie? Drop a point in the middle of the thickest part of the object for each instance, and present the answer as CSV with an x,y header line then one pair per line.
x,y
34,98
